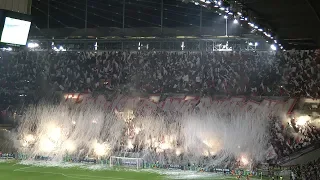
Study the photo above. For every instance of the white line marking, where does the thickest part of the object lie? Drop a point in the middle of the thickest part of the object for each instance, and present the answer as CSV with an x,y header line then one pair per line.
x,y
20,169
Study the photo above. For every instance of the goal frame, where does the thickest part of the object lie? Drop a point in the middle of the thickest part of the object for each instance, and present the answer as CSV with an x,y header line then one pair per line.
x,y
118,157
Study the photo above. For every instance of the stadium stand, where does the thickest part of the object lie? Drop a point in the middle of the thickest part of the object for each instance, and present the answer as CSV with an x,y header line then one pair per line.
x,y
308,171
294,73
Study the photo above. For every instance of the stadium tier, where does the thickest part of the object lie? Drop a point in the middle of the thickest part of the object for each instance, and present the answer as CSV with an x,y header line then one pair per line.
x,y
159,109
230,73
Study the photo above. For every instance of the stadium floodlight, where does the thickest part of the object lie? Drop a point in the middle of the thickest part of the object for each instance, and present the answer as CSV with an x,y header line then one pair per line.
x,y
250,44
251,24
260,30
275,41
96,46
219,3
207,2
6,49
216,6
246,19
256,27
235,21
273,47
32,45
230,13
182,46
239,13
225,16
203,0
196,3
222,8
256,44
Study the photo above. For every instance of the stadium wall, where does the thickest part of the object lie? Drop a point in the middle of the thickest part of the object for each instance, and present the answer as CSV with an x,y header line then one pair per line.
x,y
182,103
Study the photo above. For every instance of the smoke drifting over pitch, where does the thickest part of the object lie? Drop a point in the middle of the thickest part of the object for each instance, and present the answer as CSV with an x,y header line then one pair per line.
x,y
217,137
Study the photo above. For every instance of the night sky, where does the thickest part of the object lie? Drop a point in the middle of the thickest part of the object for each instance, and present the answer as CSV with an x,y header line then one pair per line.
x,y
108,13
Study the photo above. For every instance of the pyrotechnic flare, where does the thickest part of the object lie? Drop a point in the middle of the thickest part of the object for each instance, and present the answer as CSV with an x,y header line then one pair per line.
x,y
215,137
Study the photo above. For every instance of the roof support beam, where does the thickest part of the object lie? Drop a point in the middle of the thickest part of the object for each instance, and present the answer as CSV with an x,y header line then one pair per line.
x,y
310,4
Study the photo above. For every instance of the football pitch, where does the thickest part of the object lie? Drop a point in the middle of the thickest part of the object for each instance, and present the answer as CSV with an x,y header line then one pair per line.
x,y
16,171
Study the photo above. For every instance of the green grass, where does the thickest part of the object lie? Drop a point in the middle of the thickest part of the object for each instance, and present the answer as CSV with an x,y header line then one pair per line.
x,y
13,171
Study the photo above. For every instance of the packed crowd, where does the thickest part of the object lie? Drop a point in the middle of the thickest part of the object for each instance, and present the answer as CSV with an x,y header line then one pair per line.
x,y
233,73
292,137
294,73
310,171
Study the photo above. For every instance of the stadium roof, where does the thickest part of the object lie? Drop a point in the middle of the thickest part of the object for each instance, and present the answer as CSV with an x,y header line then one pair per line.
x,y
143,32
292,23
295,22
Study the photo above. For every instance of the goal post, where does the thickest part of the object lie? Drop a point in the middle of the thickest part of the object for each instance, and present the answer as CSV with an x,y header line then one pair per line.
x,y
126,162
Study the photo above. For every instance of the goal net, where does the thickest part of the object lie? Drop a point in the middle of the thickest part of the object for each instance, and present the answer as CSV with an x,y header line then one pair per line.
x,y
126,162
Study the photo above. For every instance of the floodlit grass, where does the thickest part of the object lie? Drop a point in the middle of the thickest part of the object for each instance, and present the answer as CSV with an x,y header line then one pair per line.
x,y
23,172
13,171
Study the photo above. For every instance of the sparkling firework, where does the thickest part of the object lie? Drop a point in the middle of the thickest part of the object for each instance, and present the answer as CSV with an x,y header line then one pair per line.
x,y
218,136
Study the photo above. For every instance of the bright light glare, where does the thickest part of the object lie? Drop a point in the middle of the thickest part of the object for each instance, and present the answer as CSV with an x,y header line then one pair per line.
x,y
226,17
54,133
32,45
165,146
302,120
256,44
29,138
46,145
244,161
60,49
130,145
101,149
70,146
250,44
273,47
178,152
235,21
137,130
